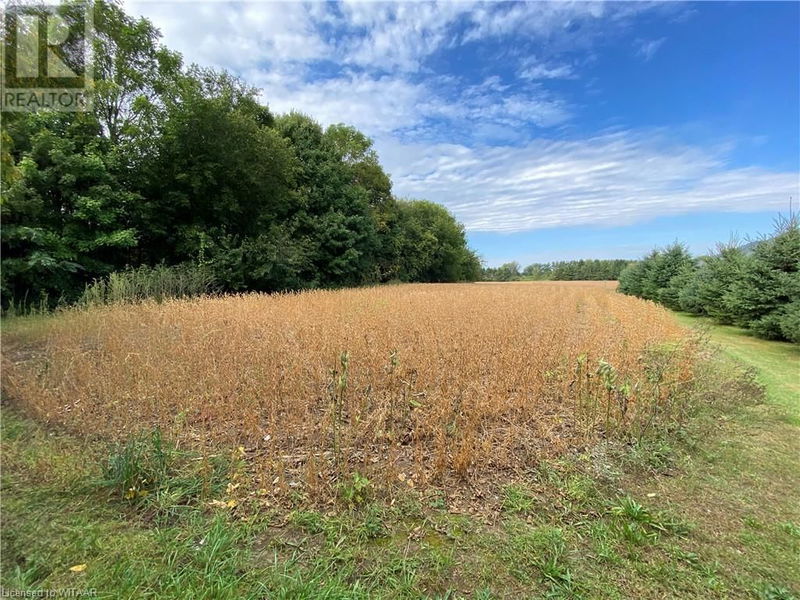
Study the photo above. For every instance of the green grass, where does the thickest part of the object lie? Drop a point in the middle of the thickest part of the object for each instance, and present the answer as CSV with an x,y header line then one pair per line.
x,y
777,363
711,513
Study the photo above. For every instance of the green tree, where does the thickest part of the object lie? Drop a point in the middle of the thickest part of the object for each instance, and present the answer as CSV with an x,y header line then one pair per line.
x,y
757,286
632,277
659,269
218,178
764,297
65,215
178,166
508,272
538,271
430,245
132,72
714,280
333,211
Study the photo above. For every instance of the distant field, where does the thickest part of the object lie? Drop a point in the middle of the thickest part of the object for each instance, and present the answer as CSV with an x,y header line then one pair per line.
x,y
407,385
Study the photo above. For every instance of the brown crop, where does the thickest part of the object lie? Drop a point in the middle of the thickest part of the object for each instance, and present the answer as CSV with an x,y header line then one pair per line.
x,y
420,381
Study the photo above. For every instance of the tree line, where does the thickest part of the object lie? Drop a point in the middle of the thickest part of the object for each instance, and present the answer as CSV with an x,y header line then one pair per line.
x,y
756,286
180,165
571,270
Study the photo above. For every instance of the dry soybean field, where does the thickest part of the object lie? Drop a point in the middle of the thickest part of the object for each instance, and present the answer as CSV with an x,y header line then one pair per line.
x,y
493,440
411,385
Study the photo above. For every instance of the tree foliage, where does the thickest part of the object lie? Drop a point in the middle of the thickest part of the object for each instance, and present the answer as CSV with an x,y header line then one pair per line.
x,y
177,165
571,270
756,287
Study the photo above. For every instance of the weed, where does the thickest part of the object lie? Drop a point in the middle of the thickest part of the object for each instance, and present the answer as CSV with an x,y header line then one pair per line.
x,y
775,592
639,525
371,523
143,283
139,466
517,499
580,489
310,521
438,500
357,491
793,529
152,474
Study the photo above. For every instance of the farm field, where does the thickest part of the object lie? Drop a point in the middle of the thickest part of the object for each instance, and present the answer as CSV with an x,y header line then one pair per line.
x,y
424,381
457,441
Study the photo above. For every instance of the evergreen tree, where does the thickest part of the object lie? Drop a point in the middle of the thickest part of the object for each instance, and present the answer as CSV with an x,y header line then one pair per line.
x,y
764,297
715,279
632,278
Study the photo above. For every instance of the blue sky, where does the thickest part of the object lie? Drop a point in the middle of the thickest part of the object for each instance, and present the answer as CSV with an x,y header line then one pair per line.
x,y
551,130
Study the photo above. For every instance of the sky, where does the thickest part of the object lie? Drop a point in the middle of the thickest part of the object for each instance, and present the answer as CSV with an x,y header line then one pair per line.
x,y
552,131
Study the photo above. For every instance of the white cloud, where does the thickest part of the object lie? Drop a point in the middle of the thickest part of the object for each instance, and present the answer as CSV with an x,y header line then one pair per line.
x,y
563,25
535,71
236,36
369,64
375,52
648,48
391,36
399,36
379,104
613,179
434,108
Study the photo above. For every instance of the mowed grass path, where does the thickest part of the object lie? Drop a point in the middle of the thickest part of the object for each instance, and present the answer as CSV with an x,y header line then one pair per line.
x,y
778,363
715,514
741,486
